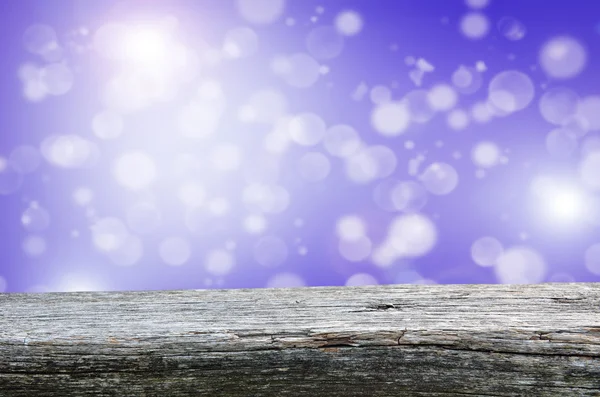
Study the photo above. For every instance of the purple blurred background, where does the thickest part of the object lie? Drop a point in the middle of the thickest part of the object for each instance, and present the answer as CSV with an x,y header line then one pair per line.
x,y
274,143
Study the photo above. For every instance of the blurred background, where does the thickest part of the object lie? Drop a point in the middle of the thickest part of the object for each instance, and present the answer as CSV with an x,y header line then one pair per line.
x,y
192,144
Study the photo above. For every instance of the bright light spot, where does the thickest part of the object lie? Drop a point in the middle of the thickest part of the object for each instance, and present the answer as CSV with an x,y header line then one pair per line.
x,y
520,265
219,262
351,228
135,170
146,45
391,118
486,251
486,154
348,23
175,251
474,25
442,97
559,202
563,57
566,205
412,235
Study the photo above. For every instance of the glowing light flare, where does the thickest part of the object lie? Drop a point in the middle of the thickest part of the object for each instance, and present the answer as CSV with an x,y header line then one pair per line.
x,y
152,64
566,204
560,202
144,44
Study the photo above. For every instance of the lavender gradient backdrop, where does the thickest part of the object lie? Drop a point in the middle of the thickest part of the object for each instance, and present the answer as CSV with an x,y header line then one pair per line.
x,y
53,235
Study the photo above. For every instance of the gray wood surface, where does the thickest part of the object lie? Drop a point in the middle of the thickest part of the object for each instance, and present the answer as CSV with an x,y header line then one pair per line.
x,y
391,340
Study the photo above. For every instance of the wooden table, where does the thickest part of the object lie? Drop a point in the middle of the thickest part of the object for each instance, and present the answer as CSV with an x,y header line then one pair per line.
x,y
389,340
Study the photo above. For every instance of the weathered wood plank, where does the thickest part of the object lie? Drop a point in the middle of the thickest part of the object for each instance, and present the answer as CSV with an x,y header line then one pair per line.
x,y
393,340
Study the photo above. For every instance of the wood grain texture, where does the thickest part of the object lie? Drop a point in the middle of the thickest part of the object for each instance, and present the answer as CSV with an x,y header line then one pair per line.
x,y
391,340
